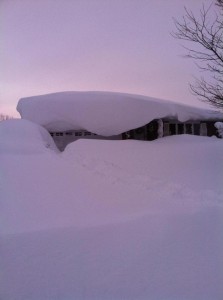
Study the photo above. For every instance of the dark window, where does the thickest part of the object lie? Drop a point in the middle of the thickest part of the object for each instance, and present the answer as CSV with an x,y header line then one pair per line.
x,y
172,129
68,133
139,133
180,128
87,133
126,135
189,128
132,134
78,133
197,129
59,133
152,130
211,129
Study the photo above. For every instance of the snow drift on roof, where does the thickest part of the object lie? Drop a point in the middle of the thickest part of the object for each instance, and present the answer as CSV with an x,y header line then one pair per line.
x,y
103,113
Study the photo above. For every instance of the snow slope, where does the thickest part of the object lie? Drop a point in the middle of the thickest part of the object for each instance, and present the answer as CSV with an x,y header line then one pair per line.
x,y
103,113
113,220
24,137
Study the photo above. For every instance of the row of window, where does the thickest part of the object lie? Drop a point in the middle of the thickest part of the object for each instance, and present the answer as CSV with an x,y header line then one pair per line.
x,y
188,128
72,133
168,129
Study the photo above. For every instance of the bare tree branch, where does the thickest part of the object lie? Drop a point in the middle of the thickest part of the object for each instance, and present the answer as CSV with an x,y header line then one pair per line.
x,y
206,34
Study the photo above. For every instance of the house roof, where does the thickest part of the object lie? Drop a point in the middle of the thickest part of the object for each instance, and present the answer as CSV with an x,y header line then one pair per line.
x,y
104,113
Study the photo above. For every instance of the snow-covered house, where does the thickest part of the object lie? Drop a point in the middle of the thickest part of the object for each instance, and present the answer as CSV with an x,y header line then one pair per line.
x,y
69,116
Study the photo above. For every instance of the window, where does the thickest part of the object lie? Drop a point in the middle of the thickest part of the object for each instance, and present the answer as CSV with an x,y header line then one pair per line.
x,y
166,129
172,129
87,133
78,133
203,129
197,129
188,128
180,128
59,133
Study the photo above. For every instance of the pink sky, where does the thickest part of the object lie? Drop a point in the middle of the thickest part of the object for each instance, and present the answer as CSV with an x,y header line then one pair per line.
x,y
110,45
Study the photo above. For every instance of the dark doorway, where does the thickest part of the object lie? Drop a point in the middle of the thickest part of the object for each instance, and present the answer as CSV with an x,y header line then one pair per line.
x,y
140,133
180,128
211,130
148,132
152,131
172,129
197,129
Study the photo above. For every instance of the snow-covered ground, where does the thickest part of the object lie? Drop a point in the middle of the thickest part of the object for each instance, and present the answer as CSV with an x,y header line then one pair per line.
x,y
110,219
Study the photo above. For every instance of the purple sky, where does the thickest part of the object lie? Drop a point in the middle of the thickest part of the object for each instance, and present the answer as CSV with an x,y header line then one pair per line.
x,y
114,45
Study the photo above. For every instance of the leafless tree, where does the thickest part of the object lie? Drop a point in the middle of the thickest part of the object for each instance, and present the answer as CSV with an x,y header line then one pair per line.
x,y
219,3
205,33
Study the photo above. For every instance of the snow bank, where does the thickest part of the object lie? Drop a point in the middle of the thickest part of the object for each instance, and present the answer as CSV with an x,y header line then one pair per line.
x,y
155,258
103,113
114,220
23,137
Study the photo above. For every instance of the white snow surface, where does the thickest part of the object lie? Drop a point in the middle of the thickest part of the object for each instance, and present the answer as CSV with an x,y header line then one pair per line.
x,y
103,113
111,220
24,137
219,126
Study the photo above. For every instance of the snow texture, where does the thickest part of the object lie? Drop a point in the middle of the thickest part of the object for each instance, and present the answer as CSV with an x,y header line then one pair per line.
x,y
219,126
24,137
103,113
110,220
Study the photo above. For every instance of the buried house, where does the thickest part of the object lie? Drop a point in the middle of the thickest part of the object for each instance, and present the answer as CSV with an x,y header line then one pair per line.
x,y
69,116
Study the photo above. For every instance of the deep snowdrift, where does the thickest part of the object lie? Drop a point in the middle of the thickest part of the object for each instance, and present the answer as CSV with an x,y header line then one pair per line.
x,y
103,113
113,220
24,137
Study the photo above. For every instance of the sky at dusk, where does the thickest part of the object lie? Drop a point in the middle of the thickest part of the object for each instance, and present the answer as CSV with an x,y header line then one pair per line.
x,y
103,45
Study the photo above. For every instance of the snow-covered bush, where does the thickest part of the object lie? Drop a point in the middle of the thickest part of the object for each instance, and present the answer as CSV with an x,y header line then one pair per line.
x,y
219,126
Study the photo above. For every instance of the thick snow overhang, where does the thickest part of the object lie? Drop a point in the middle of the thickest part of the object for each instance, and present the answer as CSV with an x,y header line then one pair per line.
x,y
104,113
